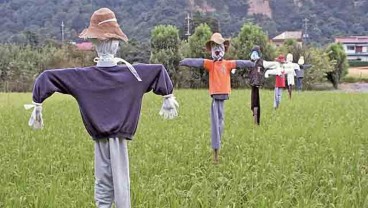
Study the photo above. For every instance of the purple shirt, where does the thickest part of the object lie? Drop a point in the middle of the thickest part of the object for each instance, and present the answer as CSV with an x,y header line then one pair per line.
x,y
109,98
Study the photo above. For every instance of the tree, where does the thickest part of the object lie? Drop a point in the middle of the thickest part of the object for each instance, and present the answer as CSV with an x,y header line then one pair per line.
x,y
339,61
165,49
19,65
199,19
197,41
316,57
250,35
320,65
32,38
242,45
197,49
135,52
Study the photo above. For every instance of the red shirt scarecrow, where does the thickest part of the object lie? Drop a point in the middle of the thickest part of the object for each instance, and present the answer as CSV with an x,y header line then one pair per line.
x,y
279,80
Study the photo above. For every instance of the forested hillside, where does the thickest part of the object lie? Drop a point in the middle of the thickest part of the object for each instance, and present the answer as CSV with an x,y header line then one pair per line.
x,y
41,19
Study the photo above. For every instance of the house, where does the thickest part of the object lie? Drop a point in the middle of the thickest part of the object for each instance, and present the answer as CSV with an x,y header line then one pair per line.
x,y
355,47
84,46
294,35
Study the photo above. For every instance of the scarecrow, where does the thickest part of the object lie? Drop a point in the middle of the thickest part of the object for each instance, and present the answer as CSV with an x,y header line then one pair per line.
x,y
300,73
256,80
109,98
290,68
219,83
279,73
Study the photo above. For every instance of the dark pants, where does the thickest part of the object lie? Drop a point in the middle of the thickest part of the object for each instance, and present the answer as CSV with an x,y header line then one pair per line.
x,y
299,83
255,104
290,89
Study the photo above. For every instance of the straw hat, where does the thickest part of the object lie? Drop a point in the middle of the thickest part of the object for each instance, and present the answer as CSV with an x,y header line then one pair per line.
x,y
103,25
217,38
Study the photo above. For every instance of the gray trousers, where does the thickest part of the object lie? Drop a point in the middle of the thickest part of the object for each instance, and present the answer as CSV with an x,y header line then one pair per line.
x,y
217,122
112,182
277,97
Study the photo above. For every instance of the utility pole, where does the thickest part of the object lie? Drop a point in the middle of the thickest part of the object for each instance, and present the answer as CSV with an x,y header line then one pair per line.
x,y
188,18
305,27
62,32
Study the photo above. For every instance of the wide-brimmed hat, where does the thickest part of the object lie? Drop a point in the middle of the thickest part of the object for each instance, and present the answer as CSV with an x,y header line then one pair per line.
x,y
280,58
103,25
218,39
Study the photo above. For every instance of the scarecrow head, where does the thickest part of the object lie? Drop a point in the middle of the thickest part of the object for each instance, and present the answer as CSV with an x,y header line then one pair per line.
x,y
255,53
104,32
289,57
280,59
217,45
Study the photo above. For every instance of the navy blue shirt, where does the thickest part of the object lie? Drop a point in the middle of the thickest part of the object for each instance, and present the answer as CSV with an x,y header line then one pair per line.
x,y
109,98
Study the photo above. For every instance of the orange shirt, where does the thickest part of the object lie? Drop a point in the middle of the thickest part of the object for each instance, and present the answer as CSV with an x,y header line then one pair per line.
x,y
219,72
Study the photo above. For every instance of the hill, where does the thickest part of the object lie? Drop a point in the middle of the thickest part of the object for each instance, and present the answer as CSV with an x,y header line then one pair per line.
x,y
43,18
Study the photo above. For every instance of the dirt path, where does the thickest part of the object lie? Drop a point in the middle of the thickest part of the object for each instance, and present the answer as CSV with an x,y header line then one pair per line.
x,y
354,87
356,72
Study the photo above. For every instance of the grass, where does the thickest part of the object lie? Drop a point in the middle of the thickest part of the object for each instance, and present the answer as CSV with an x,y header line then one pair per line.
x,y
312,152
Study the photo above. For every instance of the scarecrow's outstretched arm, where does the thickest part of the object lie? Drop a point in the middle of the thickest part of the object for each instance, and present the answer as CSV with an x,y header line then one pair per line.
x,y
51,81
305,66
46,84
162,85
272,72
192,62
271,65
241,64
296,67
272,68
290,68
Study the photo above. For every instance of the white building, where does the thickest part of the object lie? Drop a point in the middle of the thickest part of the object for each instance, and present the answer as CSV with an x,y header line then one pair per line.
x,y
287,35
356,47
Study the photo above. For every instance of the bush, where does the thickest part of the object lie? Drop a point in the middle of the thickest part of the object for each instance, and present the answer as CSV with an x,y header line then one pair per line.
x,y
20,65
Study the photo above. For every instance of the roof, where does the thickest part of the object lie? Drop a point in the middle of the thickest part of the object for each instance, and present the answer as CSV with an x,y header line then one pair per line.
x,y
289,35
84,46
352,39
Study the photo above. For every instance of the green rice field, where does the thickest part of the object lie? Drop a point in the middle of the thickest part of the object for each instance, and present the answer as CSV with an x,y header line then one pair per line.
x,y
311,152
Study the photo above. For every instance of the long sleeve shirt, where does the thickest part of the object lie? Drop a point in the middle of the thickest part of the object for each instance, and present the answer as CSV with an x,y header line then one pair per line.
x,y
286,69
219,72
256,73
300,73
276,69
290,69
109,98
